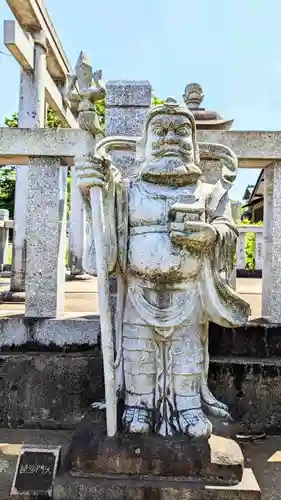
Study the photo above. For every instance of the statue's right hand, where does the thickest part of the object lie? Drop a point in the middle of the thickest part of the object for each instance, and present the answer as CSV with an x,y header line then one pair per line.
x,y
94,172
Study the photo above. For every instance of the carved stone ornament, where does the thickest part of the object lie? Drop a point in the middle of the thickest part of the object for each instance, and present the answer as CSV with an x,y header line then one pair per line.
x,y
82,94
170,239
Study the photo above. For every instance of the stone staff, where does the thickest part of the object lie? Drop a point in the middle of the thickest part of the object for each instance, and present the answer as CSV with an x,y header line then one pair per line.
x,y
105,312
91,176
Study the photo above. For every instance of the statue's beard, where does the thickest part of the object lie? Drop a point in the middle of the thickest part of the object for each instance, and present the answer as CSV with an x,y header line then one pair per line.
x,y
172,171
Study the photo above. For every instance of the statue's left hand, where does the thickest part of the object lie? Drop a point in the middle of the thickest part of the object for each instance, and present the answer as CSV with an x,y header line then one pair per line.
x,y
193,235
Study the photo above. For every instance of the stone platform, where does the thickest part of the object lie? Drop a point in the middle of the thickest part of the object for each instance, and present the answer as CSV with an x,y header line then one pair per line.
x,y
150,459
262,455
67,488
151,467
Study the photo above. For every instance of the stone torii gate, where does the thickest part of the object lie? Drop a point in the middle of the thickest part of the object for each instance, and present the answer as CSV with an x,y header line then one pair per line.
x,y
46,76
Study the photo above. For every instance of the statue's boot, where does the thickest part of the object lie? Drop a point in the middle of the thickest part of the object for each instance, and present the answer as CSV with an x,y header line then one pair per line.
x,y
139,376
137,420
195,423
213,407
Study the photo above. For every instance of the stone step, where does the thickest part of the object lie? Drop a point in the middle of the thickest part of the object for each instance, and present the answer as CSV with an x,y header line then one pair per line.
x,y
50,389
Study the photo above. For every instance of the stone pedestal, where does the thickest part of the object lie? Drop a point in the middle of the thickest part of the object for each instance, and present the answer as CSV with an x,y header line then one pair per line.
x,y
151,467
67,488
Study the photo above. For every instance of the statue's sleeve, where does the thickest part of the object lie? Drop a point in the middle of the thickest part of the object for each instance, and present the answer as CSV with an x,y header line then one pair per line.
x,y
221,303
227,234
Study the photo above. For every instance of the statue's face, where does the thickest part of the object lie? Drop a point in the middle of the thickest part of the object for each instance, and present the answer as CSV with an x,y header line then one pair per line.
x,y
169,151
170,136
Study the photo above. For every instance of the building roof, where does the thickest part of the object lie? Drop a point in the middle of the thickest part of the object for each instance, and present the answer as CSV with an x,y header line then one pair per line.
x,y
256,191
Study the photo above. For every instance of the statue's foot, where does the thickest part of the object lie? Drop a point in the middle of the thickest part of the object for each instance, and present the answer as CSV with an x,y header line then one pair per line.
x,y
214,407
195,423
137,420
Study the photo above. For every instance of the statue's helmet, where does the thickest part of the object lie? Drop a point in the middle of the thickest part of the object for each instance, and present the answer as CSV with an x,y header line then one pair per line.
x,y
169,107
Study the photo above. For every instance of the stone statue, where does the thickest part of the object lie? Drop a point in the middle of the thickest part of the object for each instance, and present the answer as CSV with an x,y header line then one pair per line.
x,y
170,240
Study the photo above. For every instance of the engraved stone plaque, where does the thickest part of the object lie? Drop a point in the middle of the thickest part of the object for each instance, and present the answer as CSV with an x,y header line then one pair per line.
x,y
36,470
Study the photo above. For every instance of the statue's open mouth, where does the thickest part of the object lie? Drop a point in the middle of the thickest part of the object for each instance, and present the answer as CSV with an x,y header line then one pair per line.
x,y
171,152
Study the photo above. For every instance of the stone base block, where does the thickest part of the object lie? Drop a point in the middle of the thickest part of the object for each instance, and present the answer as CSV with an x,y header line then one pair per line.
x,y
70,488
150,459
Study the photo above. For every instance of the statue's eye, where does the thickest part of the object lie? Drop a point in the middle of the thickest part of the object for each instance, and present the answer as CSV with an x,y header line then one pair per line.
x,y
183,131
159,131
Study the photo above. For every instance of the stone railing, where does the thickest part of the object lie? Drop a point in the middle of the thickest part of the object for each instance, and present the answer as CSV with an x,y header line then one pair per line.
x,y
241,259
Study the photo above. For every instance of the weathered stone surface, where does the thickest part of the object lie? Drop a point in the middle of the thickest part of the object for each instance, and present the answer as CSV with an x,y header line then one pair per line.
x,y
147,458
48,390
67,488
127,103
13,331
128,93
67,332
18,145
125,121
45,238
16,331
248,145
252,390
254,340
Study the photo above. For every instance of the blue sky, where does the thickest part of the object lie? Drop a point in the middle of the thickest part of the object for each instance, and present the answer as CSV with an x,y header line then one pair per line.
x,y
231,47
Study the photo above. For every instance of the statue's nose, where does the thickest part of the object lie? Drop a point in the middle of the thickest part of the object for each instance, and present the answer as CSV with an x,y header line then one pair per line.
x,y
170,137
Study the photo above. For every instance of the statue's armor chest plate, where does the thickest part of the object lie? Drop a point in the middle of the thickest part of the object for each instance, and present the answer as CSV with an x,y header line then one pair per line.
x,y
152,255
146,208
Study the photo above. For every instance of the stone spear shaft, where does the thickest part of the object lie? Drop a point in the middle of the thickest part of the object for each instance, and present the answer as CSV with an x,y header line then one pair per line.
x,y
105,312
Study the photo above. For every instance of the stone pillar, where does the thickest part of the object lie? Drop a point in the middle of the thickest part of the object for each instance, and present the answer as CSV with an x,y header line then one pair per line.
x,y
267,241
46,235
271,277
4,238
127,103
31,115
